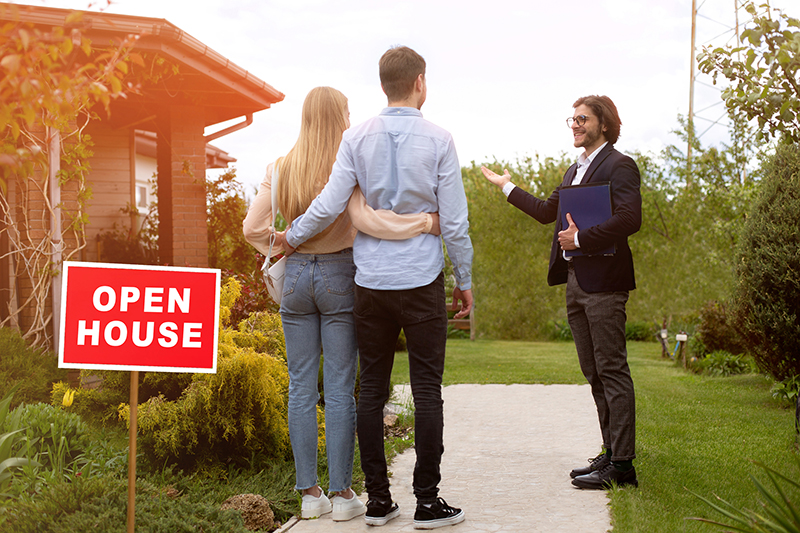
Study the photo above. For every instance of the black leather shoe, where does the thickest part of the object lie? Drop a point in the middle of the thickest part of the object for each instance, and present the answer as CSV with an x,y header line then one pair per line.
x,y
594,464
605,478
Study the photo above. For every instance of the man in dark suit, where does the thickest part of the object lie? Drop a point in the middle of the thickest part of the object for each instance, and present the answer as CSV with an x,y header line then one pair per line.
x,y
597,283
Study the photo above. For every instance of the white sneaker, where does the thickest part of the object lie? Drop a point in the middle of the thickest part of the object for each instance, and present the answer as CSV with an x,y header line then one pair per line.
x,y
315,507
344,509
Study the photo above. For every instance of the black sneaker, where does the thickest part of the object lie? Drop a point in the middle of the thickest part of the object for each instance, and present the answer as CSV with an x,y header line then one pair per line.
x,y
379,512
597,463
436,514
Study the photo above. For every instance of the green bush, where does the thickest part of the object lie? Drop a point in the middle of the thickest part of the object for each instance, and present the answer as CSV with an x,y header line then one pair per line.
x,y
228,416
34,370
99,503
717,329
640,331
768,270
722,363
558,330
98,405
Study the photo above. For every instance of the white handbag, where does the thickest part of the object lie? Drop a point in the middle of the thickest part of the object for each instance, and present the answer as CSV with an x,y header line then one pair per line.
x,y
274,274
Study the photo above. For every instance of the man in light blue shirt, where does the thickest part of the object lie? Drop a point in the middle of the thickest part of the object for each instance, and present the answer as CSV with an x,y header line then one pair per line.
x,y
408,165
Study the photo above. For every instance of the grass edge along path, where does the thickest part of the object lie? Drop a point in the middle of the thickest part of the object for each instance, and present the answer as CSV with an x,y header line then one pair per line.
x,y
694,433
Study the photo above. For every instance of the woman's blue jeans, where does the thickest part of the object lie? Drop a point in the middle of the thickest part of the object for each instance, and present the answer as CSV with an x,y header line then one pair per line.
x,y
317,315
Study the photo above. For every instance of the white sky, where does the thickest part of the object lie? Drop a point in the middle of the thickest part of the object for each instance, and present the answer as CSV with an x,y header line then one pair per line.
x,y
502,75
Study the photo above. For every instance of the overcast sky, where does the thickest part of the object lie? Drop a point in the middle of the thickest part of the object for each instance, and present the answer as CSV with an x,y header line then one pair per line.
x,y
502,75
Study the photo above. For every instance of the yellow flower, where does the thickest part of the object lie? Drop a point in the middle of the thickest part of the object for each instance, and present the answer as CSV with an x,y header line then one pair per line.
x,y
68,396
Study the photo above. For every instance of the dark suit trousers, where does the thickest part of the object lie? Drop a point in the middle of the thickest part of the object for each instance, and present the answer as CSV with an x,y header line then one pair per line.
x,y
597,321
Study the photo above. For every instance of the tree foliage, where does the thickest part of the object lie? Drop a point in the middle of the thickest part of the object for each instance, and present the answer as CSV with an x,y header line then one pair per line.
x,y
226,207
512,251
768,268
54,81
683,254
764,73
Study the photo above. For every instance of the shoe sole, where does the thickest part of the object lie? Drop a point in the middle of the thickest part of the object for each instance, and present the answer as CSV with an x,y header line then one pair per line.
x,y
381,520
439,522
605,486
349,514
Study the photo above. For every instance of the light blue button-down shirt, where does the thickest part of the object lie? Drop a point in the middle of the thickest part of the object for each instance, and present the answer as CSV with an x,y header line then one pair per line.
x,y
406,164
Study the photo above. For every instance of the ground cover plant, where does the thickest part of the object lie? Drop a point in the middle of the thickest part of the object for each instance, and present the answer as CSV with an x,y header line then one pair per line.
x,y
696,432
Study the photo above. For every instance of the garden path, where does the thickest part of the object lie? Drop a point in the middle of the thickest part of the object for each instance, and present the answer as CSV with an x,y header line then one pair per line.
x,y
508,453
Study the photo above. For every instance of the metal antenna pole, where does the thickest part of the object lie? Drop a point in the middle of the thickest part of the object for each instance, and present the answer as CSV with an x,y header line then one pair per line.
x,y
691,98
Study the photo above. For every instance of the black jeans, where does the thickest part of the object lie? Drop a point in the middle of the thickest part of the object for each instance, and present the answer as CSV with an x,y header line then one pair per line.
x,y
379,316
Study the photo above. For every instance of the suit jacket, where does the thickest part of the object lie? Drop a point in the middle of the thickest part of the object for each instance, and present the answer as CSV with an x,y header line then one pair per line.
x,y
595,273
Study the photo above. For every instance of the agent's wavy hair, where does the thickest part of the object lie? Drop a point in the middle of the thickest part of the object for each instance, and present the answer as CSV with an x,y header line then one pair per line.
x,y
306,168
399,68
606,112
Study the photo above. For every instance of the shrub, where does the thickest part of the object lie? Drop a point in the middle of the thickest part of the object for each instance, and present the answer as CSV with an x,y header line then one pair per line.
x,y
231,415
98,405
722,363
226,416
768,269
99,503
640,331
558,330
717,329
254,296
33,370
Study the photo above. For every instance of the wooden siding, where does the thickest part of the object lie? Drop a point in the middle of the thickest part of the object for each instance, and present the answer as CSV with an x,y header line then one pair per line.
x,y
110,180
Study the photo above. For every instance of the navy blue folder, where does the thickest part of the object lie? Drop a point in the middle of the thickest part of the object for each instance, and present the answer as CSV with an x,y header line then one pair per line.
x,y
589,205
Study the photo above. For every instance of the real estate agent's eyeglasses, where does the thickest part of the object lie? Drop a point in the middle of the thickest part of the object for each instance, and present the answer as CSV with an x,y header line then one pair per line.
x,y
580,119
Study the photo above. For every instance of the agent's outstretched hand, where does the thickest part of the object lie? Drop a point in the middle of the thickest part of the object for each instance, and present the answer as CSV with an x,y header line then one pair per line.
x,y
495,178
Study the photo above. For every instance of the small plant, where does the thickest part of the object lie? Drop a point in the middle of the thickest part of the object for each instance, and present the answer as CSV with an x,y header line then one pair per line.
x,y
558,330
779,513
722,363
787,390
8,444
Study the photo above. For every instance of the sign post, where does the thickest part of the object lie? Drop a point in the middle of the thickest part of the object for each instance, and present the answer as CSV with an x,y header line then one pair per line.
x,y
134,423
138,318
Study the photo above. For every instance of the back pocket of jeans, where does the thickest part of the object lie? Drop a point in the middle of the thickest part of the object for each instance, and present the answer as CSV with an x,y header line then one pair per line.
x,y
338,276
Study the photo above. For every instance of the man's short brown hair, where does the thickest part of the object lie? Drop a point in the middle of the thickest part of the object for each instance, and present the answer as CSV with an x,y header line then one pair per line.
x,y
399,68
606,113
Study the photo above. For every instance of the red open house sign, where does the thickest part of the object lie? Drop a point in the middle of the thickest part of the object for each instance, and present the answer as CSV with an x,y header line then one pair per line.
x,y
134,317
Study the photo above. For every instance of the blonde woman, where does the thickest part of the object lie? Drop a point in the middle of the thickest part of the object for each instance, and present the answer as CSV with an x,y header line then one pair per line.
x,y
317,304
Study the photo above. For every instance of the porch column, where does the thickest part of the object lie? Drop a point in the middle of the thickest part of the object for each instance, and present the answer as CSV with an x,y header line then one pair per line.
x,y
182,227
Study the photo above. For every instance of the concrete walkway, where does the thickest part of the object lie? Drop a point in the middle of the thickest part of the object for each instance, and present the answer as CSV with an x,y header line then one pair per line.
x,y
508,453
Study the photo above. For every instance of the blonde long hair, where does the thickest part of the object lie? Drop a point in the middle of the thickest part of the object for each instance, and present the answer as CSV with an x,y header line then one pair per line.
x,y
306,168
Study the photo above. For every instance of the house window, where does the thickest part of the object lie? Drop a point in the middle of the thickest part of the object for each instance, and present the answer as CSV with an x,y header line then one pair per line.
x,y
141,196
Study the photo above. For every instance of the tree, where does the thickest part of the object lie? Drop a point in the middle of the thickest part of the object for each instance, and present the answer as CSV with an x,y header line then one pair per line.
x,y
226,206
768,268
765,83
54,82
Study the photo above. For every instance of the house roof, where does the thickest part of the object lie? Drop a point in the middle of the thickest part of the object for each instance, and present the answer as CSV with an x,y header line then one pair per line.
x,y
205,78
146,142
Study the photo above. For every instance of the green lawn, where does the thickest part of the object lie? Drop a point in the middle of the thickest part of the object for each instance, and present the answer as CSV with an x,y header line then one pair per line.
x,y
693,432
